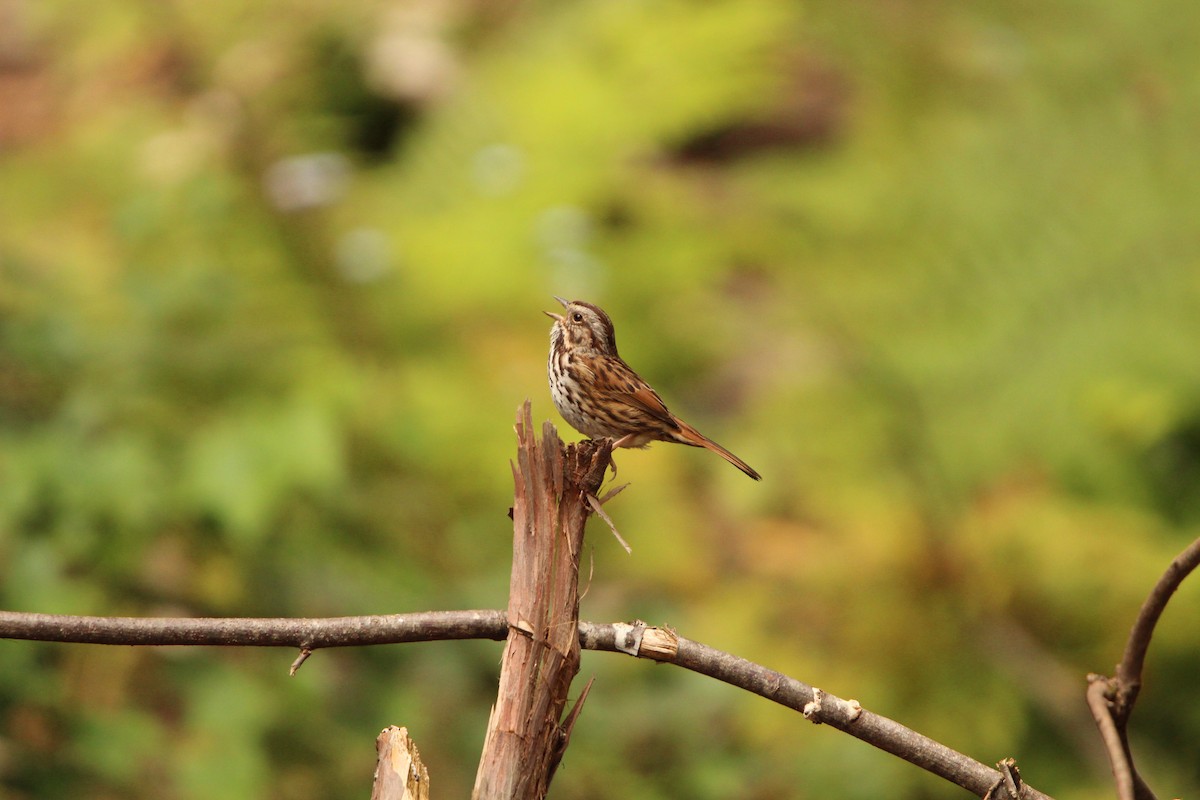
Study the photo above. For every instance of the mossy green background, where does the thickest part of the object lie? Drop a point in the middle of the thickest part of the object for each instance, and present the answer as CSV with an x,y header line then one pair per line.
x,y
271,282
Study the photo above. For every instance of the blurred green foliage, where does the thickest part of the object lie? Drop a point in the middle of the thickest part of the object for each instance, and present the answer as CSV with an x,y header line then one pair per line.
x,y
270,283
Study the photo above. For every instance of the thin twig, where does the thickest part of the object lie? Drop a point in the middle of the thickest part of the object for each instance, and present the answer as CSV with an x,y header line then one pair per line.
x,y
1129,671
1009,785
595,504
613,492
426,626
1098,691
845,715
305,652
1111,700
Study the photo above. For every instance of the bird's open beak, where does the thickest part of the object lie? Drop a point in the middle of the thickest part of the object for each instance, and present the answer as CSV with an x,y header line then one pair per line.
x,y
563,303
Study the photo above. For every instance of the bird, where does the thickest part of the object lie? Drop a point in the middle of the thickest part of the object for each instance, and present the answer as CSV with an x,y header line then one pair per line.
x,y
601,396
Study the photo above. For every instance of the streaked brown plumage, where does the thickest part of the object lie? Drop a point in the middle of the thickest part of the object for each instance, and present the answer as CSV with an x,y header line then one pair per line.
x,y
601,397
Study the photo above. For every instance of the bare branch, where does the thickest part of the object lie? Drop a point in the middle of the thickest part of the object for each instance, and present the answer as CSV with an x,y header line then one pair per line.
x,y
1115,743
311,634
818,706
1129,671
1111,700
659,644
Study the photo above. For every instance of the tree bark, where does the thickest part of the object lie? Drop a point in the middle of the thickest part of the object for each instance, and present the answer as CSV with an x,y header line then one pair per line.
x,y
526,733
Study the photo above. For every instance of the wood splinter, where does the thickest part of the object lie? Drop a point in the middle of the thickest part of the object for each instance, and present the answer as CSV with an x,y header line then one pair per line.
x,y
399,771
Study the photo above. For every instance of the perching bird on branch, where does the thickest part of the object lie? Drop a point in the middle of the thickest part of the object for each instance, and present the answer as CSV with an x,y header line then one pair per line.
x,y
602,397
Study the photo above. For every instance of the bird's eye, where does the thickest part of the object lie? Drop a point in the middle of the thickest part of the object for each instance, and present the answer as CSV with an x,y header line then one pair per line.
x,y
577,317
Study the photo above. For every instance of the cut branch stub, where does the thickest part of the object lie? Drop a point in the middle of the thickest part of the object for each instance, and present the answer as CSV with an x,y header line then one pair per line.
x,y
399,772
541,656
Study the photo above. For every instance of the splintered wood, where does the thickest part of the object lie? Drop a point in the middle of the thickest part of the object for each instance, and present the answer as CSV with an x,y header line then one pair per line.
x,y
527,733
399,773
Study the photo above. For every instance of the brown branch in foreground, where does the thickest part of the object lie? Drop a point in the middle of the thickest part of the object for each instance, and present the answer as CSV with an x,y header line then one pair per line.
x,y
1111,700
817,706
1115,743
1129,671
300,634
526,731
655,643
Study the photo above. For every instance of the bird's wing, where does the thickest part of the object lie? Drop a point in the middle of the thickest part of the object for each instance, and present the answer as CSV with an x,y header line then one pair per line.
x,y
623,385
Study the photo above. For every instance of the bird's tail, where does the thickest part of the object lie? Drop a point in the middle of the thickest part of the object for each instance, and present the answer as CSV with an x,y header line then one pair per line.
x,y
689,435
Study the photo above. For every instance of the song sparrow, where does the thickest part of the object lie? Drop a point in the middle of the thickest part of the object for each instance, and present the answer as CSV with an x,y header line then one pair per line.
x,y
601,397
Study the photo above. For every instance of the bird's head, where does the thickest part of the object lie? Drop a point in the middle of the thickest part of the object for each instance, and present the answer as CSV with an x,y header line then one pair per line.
x,y
583,326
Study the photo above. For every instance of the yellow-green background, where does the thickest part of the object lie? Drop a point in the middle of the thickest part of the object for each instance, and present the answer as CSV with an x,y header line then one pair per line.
x,y
951,313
